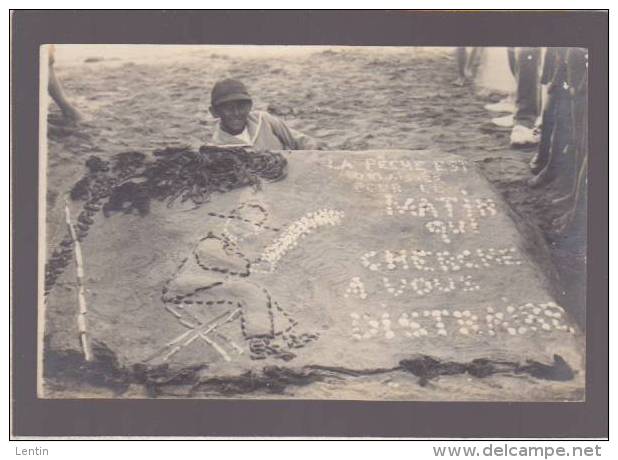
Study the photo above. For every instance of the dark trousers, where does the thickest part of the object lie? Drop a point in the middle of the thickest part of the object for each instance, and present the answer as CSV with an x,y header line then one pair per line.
x,y
556,134
525,64
577,77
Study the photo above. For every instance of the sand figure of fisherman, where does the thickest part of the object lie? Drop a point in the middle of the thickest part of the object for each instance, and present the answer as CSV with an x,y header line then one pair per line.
x,y
215,279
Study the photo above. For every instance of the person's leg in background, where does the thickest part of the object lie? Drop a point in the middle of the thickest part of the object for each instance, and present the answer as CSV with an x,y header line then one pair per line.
x,y
548,111
506,105
548,120
510,52
57,94
556,139
577,82
557,127
461,59
473,58
527,66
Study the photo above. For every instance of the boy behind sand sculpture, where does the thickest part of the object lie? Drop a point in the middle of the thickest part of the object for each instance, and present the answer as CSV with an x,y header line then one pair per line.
x,y
238,125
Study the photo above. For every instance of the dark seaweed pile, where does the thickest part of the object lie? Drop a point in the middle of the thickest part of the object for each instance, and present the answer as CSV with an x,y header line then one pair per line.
x,y
130,180
427,368
105,371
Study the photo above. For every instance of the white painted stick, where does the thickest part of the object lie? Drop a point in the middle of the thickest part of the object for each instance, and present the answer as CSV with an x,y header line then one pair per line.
x,y
81,296
216,346
233,344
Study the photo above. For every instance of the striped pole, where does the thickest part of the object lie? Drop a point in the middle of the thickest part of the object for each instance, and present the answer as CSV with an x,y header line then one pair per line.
x,y
81,297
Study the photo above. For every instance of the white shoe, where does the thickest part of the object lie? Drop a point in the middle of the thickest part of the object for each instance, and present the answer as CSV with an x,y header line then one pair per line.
x,y
503,122
505,105
522,136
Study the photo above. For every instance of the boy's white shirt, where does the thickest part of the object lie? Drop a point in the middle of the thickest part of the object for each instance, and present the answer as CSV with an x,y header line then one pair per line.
x,y
245,137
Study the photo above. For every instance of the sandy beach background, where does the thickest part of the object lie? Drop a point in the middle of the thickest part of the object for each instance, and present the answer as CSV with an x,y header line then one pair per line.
x,y
140,98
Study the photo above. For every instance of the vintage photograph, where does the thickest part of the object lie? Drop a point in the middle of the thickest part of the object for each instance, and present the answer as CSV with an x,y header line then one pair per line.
x,y
313,222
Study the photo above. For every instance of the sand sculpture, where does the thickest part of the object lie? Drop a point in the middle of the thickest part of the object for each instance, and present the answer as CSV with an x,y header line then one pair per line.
x,y
312,274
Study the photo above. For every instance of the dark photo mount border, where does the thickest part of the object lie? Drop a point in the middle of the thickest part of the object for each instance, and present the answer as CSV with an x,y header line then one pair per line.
x,y
38,418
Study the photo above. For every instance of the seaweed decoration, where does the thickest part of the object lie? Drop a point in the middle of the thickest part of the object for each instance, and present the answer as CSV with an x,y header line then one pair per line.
x,y
130,180
427,368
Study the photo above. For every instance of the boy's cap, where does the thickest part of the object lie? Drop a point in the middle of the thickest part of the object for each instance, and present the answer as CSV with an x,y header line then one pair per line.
x,y
228,90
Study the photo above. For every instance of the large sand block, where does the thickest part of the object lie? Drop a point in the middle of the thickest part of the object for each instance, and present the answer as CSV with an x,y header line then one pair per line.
x,y
354,266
